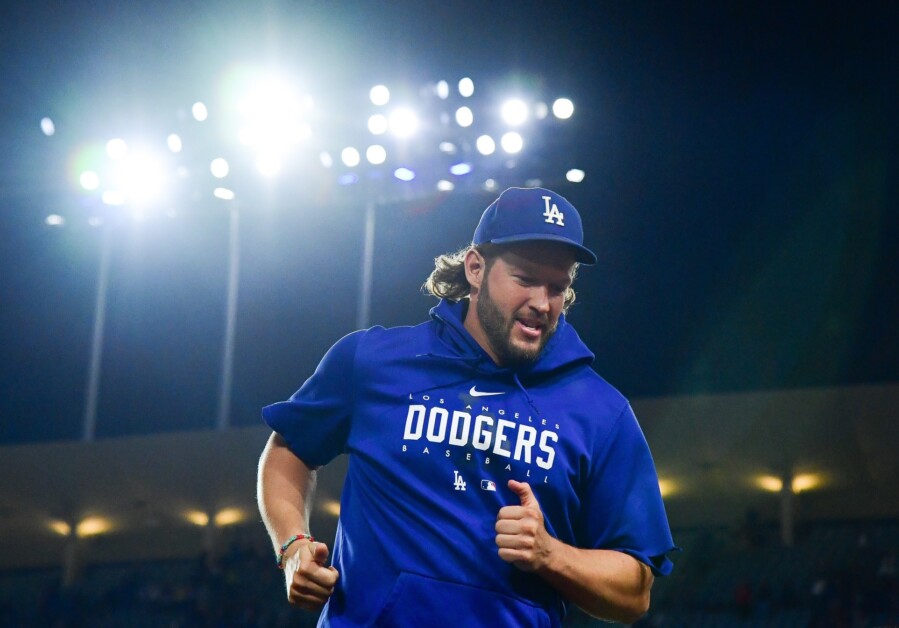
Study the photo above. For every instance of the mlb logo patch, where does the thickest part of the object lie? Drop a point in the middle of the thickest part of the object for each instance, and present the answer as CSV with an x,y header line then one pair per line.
x,y
488,485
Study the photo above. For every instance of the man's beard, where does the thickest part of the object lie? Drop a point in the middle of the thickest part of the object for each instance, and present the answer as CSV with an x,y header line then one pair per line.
x,y
498,330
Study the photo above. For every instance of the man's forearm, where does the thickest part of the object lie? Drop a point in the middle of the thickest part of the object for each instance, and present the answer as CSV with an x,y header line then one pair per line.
x,y
607,584
285,488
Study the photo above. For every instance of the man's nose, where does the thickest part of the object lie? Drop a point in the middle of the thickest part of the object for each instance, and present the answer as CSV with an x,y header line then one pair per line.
x,y
540,299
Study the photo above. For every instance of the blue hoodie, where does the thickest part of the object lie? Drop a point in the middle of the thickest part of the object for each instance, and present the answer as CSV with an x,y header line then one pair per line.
x,y
434,430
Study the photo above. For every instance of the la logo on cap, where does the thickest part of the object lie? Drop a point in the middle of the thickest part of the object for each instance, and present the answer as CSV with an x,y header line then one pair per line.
x,y
552,213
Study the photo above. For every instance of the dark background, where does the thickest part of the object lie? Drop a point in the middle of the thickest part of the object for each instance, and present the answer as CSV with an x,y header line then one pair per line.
x,y
741,194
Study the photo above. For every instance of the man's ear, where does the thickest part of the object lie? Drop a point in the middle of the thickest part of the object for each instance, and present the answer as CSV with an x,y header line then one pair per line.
x,y
475,269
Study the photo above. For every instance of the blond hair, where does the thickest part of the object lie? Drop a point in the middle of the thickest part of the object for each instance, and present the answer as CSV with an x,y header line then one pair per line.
x,y
448,281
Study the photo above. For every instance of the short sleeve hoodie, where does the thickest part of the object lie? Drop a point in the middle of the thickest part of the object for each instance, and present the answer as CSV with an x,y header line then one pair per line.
x,y
434,430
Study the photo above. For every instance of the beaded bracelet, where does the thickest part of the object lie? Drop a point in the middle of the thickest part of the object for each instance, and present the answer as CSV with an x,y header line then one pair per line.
x,y
288,543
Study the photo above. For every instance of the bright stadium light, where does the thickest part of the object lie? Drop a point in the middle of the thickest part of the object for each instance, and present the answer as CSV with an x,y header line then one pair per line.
x,y
116,148
138,178
113,197
379,95
141,178
563,108
223,193
47,127
464,117
174,142
466,87
806,482
219,168
199,112
485,145
229,516
445,186
92,526
376,154
55,220
272,116
404,174
575,175
60,527
442,90
769,483
447,148
197,517
514,112
89,180
403,122
377,124
512,142
331,507
350,157
668,487
460,169
491,185
268,165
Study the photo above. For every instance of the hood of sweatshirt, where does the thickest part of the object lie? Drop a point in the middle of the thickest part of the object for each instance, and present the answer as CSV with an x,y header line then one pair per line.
x,y
563,351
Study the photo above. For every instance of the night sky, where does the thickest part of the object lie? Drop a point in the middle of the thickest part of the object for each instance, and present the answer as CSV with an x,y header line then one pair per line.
x,y
742,170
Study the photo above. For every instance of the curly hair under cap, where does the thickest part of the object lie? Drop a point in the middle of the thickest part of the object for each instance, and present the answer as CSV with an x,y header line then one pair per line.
x,y
448,281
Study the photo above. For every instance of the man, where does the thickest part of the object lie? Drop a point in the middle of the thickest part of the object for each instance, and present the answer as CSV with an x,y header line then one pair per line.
x,y
493,476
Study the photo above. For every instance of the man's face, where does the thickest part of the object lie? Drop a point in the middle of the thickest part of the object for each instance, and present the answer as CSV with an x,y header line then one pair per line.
x,y
520,300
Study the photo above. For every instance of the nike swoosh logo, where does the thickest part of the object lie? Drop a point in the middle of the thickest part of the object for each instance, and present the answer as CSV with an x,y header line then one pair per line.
x,y
477,393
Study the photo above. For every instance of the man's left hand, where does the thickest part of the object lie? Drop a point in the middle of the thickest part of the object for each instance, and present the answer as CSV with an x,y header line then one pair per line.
x,y
521,534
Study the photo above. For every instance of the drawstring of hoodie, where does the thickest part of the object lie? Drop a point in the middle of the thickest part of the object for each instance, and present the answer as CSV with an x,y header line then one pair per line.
x,y
441,356
471,361
526,394
564,351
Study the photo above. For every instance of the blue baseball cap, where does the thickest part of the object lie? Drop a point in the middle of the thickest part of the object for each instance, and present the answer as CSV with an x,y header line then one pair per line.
x,y
527,214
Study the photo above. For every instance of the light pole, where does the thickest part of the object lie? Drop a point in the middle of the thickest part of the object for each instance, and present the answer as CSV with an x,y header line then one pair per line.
x,y
96,355
363,313
219,168
224,405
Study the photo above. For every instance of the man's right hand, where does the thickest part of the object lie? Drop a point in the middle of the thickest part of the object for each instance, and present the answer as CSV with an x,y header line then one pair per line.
x,y
310,582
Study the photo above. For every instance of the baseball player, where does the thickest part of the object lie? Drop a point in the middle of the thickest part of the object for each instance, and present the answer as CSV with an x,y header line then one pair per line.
x,y
494,477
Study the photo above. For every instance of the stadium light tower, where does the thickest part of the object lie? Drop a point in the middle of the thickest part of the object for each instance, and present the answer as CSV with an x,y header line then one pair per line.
x,y
271,123
444,142
127,178
447,139
271,115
